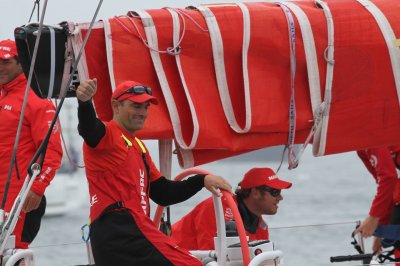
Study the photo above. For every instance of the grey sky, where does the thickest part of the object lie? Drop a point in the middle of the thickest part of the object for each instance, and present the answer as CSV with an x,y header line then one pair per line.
x,y
14,13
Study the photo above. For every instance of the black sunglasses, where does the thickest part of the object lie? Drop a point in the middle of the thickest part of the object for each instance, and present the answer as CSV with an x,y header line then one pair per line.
x,y
138,89
273,191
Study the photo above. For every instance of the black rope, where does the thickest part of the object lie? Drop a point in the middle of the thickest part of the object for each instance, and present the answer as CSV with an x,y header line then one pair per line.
x,y
37,3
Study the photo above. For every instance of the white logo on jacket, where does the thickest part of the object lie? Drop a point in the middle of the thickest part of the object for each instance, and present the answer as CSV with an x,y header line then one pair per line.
x,y
93,200
142,192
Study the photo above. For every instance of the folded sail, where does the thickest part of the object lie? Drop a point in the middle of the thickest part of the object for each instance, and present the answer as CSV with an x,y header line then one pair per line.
x,y
232,78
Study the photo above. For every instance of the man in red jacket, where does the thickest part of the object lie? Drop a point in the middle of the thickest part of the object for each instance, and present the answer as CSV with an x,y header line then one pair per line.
x,y
258,193
381,163
122,179
36,120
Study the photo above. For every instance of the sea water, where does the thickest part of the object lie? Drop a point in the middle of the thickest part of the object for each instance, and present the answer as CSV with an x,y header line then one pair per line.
x,y
313,223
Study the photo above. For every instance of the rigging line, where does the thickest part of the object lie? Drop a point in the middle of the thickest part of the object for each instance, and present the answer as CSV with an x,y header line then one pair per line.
x,y
41,152
67,152
312,225
36,3
57,245
386,263
28,84
75,164
184,13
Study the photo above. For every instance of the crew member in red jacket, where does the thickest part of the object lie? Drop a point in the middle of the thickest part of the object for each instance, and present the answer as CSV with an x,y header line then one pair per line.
x,y
122,177
36,120
258,193
381,164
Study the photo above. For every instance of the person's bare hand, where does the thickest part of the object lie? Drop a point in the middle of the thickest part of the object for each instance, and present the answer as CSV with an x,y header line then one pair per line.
x,y
214,183
86,90
32,202
368,226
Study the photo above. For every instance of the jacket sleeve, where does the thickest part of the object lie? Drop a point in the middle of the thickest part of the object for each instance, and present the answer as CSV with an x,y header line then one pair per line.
x,y
167,192
386,178
90,127
40,115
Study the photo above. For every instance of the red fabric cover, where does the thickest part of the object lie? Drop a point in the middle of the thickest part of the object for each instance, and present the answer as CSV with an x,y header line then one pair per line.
x,y
364,97
365,106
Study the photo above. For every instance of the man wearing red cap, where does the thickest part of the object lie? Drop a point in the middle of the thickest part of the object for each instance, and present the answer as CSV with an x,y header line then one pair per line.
x,y
258,193
122,177
37,117
381,163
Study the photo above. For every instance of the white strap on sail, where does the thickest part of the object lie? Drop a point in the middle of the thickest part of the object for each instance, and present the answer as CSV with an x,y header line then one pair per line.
x,y
310,53
52,62
187,157
109,52
176,41
322,130
292,105
245,51
69,58
151,35
219,64
312,71
390,39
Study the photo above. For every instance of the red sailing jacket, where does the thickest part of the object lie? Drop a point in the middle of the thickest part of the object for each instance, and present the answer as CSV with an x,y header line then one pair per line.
x,y
197,229
116,172
113,177
380,164
37,118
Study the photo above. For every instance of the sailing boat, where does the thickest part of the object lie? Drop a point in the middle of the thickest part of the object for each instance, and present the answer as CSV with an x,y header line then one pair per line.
x,y
239,77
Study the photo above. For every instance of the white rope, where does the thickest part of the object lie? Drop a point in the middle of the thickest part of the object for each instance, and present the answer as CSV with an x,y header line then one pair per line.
x,y
169,50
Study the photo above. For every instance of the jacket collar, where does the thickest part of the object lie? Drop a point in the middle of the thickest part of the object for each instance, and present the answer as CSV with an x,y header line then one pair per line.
x,y
250,220
15,84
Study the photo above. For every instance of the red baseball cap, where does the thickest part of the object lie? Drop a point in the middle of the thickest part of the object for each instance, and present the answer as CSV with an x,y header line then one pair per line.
x,y
122,93
8,49
263,177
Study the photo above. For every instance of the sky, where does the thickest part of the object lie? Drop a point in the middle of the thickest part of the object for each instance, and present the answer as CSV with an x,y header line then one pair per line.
x,y
15,13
